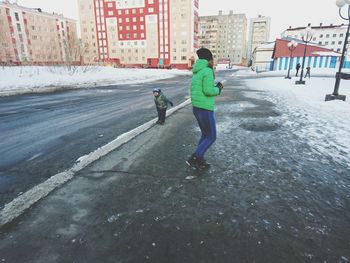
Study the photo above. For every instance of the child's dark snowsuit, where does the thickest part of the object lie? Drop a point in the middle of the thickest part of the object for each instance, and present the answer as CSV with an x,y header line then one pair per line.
x,y
162,105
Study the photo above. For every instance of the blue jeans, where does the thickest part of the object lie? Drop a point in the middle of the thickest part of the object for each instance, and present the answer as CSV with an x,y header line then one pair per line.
x,y
206,122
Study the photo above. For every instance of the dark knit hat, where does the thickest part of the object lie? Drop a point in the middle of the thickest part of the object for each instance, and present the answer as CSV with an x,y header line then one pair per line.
x,y
204,53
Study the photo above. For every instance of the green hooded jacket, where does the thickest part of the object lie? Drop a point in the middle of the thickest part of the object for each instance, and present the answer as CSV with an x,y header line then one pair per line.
x,y
203,89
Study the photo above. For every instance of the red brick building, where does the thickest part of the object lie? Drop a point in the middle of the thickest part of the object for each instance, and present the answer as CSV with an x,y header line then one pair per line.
x,y
140,33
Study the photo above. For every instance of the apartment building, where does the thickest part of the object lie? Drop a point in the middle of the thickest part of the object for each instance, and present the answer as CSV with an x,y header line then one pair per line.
x,y
328,36
140,33
88,32
209,34
259,32
36,37
225,36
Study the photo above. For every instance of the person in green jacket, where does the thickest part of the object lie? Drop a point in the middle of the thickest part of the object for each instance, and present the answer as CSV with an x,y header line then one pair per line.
x,y
203,93
161,104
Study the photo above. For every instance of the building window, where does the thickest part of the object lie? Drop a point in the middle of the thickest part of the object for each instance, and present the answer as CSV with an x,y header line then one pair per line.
x,y
183,58
17,17
334,35
327,36
151,10
340,42
321,36
341,35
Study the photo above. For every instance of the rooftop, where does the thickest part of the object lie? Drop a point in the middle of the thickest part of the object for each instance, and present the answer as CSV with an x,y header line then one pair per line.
x,y
321,26
38,11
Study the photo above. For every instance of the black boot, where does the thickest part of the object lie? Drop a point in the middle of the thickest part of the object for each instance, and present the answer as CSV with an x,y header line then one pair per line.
x,y
197,163
203,164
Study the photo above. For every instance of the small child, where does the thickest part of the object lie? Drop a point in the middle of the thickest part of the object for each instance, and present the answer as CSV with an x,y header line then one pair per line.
x,y
161,104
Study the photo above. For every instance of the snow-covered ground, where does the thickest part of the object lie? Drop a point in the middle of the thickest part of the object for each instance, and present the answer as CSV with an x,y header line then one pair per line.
x,y
19,80
234,67
324,125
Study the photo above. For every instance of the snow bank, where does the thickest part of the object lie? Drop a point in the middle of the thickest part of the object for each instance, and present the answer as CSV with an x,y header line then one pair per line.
x,y
19,80
324,125
319,72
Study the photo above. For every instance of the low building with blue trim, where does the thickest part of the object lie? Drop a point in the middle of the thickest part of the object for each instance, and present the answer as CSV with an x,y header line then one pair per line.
x,y
316,56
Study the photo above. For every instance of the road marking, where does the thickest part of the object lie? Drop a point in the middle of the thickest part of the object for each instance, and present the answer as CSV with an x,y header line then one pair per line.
x,y
20,204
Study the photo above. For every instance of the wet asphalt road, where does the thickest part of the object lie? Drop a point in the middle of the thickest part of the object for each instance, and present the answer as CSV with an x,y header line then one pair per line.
x,y
44,134
269,197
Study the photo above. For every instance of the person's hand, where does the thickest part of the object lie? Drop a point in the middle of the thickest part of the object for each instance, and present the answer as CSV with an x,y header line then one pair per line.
x,y
220,85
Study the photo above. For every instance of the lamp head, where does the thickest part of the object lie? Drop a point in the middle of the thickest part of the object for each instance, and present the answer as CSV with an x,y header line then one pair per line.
x,y
308,32
293,43
341,3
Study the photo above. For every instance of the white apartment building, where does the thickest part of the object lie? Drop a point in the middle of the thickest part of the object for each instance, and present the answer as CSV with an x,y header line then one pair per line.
x,y
32,36
140,33
262,57
259,32
225,36
331,36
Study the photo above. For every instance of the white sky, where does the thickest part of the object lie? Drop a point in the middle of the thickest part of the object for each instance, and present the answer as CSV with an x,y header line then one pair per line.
x,y
283,13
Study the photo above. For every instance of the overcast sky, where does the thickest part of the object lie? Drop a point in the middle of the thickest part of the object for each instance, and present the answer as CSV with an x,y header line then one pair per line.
x,y
283,13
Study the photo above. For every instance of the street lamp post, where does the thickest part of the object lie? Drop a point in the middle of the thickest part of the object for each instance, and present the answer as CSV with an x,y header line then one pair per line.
x,y
338,76
292,45
306,37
